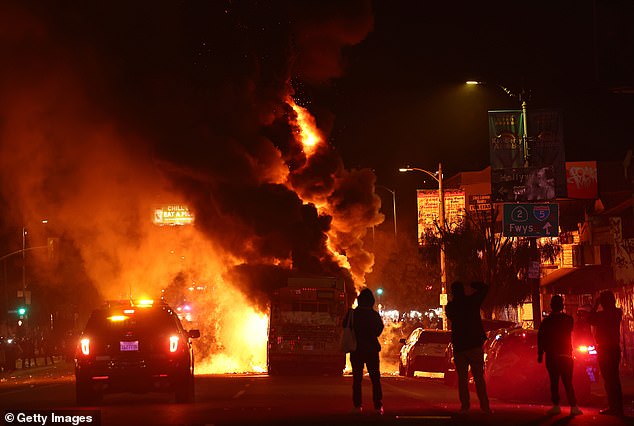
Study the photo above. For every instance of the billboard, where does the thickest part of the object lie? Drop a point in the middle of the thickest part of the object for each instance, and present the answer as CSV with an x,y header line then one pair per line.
x,y
428,210
480,206
172,214
581,178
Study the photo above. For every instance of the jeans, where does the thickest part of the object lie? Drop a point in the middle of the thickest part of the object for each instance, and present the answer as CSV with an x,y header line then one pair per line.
x,y
609,359
561,366
473,357
371,360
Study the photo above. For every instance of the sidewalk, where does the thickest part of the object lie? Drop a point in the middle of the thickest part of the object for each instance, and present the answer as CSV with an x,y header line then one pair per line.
x,y
627,385
41,366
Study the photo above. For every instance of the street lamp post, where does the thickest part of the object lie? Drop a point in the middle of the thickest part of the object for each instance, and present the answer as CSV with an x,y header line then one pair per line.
x,y
393,192
24,263
535,295
441,220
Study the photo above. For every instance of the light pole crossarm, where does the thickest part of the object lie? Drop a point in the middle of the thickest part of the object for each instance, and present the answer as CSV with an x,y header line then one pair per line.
x,y
441,220
409,169
21,251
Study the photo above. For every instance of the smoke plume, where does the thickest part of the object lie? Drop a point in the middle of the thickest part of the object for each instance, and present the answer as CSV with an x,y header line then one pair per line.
x,y
110,111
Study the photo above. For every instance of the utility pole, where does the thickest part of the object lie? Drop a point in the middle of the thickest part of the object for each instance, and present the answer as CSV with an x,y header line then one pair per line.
x,y
441,225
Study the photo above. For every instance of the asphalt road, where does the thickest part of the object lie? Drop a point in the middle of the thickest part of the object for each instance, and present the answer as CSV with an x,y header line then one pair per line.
x,y
297,400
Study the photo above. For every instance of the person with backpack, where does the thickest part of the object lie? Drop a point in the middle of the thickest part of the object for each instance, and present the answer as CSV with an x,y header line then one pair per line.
x,y
368,326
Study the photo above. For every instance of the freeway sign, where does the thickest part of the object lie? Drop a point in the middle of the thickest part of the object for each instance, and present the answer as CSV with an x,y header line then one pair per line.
x,y
531,220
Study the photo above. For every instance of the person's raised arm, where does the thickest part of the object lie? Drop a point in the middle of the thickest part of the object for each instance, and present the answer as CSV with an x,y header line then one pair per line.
x,y
481,290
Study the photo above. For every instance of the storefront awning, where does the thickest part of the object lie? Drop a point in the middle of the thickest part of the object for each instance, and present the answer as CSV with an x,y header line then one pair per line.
x,y
579,280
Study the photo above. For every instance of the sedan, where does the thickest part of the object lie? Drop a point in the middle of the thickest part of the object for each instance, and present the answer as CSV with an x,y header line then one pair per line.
x,y
424,350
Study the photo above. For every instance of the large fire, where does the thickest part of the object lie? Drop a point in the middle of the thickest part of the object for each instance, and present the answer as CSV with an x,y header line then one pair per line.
x,y
96,153
309,135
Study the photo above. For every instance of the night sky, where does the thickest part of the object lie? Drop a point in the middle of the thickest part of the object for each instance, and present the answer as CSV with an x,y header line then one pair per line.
x,y
404,101
384,78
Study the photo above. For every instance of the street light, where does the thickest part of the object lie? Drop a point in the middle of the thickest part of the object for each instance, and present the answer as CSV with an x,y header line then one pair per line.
x,y
521,97
535,295
441,219
393,192
24,263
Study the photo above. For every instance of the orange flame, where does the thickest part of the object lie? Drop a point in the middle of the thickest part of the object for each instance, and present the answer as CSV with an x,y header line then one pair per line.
x,y
309,135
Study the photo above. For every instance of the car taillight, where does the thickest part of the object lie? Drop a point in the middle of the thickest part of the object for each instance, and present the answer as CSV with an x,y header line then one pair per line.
x,y
587,349
85,346
173,343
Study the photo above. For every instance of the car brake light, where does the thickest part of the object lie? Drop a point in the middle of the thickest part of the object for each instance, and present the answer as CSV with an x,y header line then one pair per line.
x,y
173,343
587,349
117,318
85,346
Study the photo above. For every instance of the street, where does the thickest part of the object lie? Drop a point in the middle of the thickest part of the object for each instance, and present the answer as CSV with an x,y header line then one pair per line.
x,y
259,399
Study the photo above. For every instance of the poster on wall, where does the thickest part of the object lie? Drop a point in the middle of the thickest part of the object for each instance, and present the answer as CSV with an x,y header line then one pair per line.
x,y
581,179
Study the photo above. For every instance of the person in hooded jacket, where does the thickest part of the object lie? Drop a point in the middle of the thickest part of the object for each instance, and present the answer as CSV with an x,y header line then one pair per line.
x,y
368,326
607,323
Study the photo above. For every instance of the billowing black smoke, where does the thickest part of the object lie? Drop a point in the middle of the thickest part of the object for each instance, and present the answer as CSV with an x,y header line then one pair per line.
x,y
188,98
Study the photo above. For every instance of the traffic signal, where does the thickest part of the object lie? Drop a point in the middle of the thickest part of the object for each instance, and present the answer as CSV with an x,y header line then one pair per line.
x,y
379,291
21,311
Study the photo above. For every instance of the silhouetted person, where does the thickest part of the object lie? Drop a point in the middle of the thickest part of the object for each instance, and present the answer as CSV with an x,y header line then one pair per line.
x,y
368,326
11,349
607,323
27,352
554,338
467,337
46,347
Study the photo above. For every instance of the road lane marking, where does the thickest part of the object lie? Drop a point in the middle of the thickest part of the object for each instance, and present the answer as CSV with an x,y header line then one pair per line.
x,y
239,394
29,388
424,417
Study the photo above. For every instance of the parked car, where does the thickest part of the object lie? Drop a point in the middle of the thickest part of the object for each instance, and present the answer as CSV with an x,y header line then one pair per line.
x,y
512,371
130,346
491,328
424,350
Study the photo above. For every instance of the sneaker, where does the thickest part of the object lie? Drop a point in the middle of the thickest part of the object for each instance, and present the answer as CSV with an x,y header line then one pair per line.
x,y
556,409
486,410
575,411
379,411
356,410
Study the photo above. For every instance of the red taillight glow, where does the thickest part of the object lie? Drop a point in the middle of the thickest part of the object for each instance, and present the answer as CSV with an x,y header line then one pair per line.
x,y
587,349
85,346
173,343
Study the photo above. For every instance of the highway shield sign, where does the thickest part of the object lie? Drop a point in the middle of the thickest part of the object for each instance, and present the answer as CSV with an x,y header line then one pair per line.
x,y
531,220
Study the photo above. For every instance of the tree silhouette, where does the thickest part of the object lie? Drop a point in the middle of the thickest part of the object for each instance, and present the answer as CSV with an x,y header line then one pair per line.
x,y
477,250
